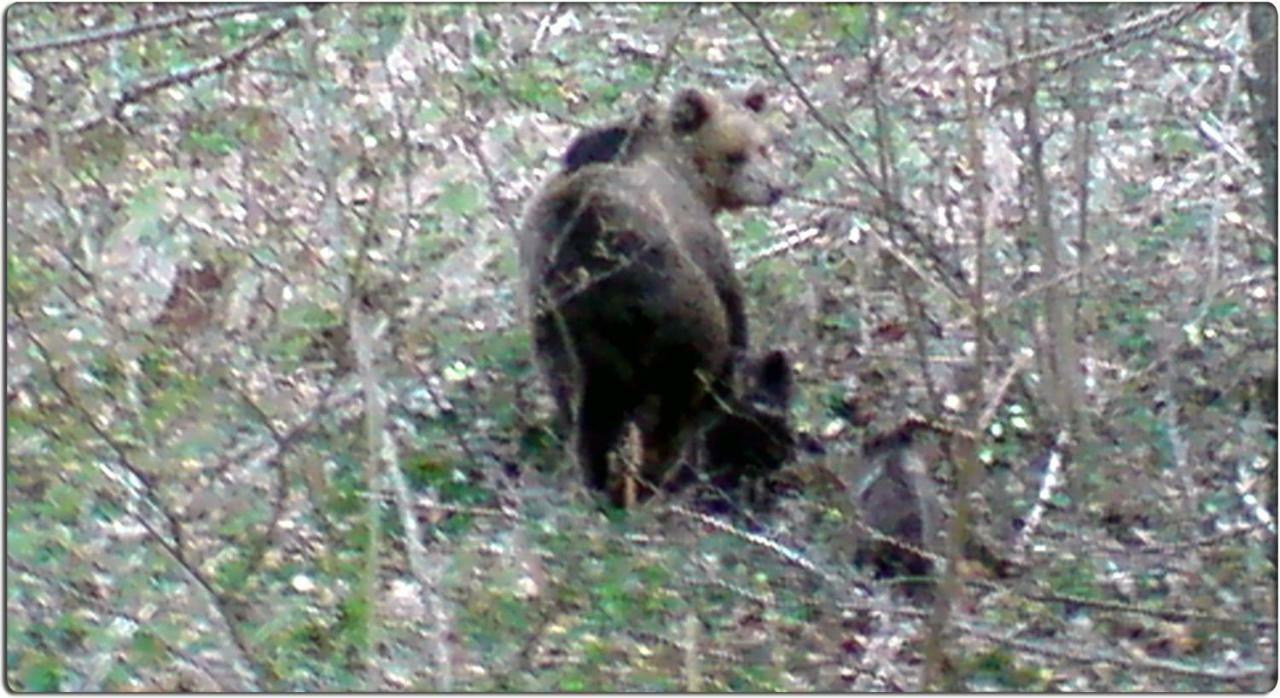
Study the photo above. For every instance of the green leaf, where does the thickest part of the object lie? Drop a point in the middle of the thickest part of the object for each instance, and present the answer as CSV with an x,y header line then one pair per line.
x,y
431,113
484,43
799,21
23,277
755,229
1224,309
213,142
40,674
147,648
639,74
144,207
852,20
309,316
1178,141
352,614
824,168
460,198
62,502
532,87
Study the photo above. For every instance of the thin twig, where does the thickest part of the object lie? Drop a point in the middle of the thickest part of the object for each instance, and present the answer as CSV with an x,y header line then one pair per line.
x,y
1110,39
890,208
174,548
1004,303
1048,485
787,241
113,610
788,555
997,396
1171,614
664,61
113,33
1083,657
142,89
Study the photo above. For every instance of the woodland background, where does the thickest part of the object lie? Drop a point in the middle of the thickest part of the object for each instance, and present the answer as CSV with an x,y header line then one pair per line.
x,y
272,421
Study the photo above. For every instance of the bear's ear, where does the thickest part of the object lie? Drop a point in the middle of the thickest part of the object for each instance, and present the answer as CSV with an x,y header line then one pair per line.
x,y
774,377
689,111
597,145
756,98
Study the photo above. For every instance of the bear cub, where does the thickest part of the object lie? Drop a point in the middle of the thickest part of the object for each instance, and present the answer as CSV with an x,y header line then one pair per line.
x,y
754,434
637,313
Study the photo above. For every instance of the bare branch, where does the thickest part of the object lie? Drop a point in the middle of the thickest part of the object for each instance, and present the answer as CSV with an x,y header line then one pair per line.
x,y
1020,362
140,90
175,548
1152,665
1048,486
787,240
97,36
788,555
1107,40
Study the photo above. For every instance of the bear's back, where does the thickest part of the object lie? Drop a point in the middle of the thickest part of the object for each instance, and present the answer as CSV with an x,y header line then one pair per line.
x,y
586,217
616,249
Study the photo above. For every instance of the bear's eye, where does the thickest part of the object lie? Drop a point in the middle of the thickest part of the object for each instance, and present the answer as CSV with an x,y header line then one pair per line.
x,y
735,159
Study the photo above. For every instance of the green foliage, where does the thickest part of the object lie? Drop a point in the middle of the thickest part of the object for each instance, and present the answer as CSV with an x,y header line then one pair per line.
x,y
852,23
147,649
637,75
451,484
346,487
24,278
304,647
754,230
822,170
1074,577
604,93
1224,309
531,87
461,198
218,136
1178,142
39,673
101,152
63,503
301,325
236,29
388,22
796,22
266,165
998,670
753,679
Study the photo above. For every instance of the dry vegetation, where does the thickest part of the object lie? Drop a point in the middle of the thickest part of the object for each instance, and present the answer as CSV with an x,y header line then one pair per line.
x,y
273,424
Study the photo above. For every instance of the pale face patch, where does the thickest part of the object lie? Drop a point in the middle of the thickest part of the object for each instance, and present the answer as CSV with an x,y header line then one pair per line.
x,y
732,152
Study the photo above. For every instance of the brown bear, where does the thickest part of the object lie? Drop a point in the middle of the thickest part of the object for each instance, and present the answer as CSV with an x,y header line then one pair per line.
x,y
747,439
636,310
623,140
752,436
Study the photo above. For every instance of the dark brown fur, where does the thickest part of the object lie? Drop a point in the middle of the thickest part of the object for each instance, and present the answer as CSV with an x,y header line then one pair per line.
x,y
637,313
753,437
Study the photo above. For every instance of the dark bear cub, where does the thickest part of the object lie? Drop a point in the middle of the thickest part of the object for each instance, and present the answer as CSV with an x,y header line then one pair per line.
x,y
636,310
599,145
753,437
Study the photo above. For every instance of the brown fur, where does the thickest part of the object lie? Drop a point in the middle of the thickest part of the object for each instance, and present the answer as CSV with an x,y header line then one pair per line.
x,y
753,437
637,313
